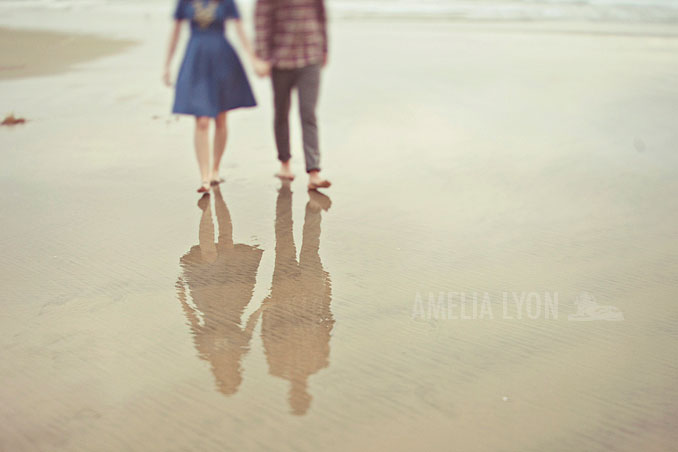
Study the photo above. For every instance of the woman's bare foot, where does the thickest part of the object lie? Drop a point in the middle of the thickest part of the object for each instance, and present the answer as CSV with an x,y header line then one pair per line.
x,y
315,181
205,187
285,172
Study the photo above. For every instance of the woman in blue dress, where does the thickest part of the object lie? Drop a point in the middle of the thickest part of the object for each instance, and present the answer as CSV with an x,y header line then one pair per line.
x,y
211,80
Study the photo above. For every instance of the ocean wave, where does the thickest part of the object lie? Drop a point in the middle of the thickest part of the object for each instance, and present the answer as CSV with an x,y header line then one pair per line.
x,y
499,10
587,10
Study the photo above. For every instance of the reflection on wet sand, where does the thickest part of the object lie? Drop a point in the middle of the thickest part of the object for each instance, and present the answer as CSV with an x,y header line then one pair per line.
x,y
297,319
220,279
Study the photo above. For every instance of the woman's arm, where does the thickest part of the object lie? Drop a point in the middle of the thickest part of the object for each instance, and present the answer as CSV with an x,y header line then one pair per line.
x,y
244,39
174,39
260,67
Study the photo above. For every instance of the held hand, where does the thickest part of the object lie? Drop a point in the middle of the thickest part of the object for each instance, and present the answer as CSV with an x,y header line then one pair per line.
x,y
166,78
261,67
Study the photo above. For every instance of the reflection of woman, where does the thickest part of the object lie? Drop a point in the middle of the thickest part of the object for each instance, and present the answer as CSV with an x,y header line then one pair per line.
x,y
220,279
297,320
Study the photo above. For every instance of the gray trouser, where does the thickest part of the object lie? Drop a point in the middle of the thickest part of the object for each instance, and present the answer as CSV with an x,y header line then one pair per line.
x,y
307,82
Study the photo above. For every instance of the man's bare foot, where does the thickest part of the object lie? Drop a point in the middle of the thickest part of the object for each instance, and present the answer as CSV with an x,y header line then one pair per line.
x,y
318,201
315,181
205,188
204,202
285,172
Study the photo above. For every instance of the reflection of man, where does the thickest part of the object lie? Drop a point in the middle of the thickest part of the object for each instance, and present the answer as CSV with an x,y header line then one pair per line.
x,y
297,319
220,278
291,40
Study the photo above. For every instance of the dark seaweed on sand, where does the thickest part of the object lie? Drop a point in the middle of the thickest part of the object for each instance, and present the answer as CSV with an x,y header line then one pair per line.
x,y
11,120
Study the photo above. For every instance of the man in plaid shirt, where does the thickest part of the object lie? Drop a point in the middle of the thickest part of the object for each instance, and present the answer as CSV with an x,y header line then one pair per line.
x,y
291,40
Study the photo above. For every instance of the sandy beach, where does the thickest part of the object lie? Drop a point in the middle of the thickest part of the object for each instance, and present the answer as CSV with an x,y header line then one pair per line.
x,y
529,168
34,53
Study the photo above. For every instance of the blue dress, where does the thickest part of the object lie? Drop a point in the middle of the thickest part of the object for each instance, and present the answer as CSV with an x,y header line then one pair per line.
x,y
211,79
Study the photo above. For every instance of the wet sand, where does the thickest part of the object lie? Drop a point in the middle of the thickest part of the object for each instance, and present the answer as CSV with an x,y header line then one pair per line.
x,y
35,53
472,158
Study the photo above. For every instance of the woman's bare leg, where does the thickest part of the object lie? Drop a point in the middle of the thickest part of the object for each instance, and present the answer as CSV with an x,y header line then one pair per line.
x,y
202,150
220,137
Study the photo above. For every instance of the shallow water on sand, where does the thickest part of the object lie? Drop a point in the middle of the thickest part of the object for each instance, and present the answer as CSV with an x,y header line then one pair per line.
x,y
507,161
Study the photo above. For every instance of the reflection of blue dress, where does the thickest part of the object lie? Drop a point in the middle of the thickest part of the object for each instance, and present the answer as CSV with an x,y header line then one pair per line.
x,y
212,79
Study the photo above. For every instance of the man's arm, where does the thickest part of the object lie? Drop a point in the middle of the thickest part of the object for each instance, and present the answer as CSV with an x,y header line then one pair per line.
x,y
322,15
263,25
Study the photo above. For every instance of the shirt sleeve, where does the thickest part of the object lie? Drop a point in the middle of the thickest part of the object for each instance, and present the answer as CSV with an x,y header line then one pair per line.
x,y
179,12
232,11
263,24
322,13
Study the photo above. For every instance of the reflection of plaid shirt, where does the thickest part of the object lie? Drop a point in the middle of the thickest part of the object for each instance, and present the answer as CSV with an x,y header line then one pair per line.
x,y
291,33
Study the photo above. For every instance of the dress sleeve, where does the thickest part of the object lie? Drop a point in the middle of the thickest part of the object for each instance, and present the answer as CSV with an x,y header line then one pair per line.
x,y
179,12
232,11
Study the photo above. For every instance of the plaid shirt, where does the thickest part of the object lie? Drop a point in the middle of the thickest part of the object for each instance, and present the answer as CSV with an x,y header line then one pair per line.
x,y
291,34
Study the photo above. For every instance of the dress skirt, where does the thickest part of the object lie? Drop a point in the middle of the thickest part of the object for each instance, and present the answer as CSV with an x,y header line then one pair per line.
x,y
212,79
